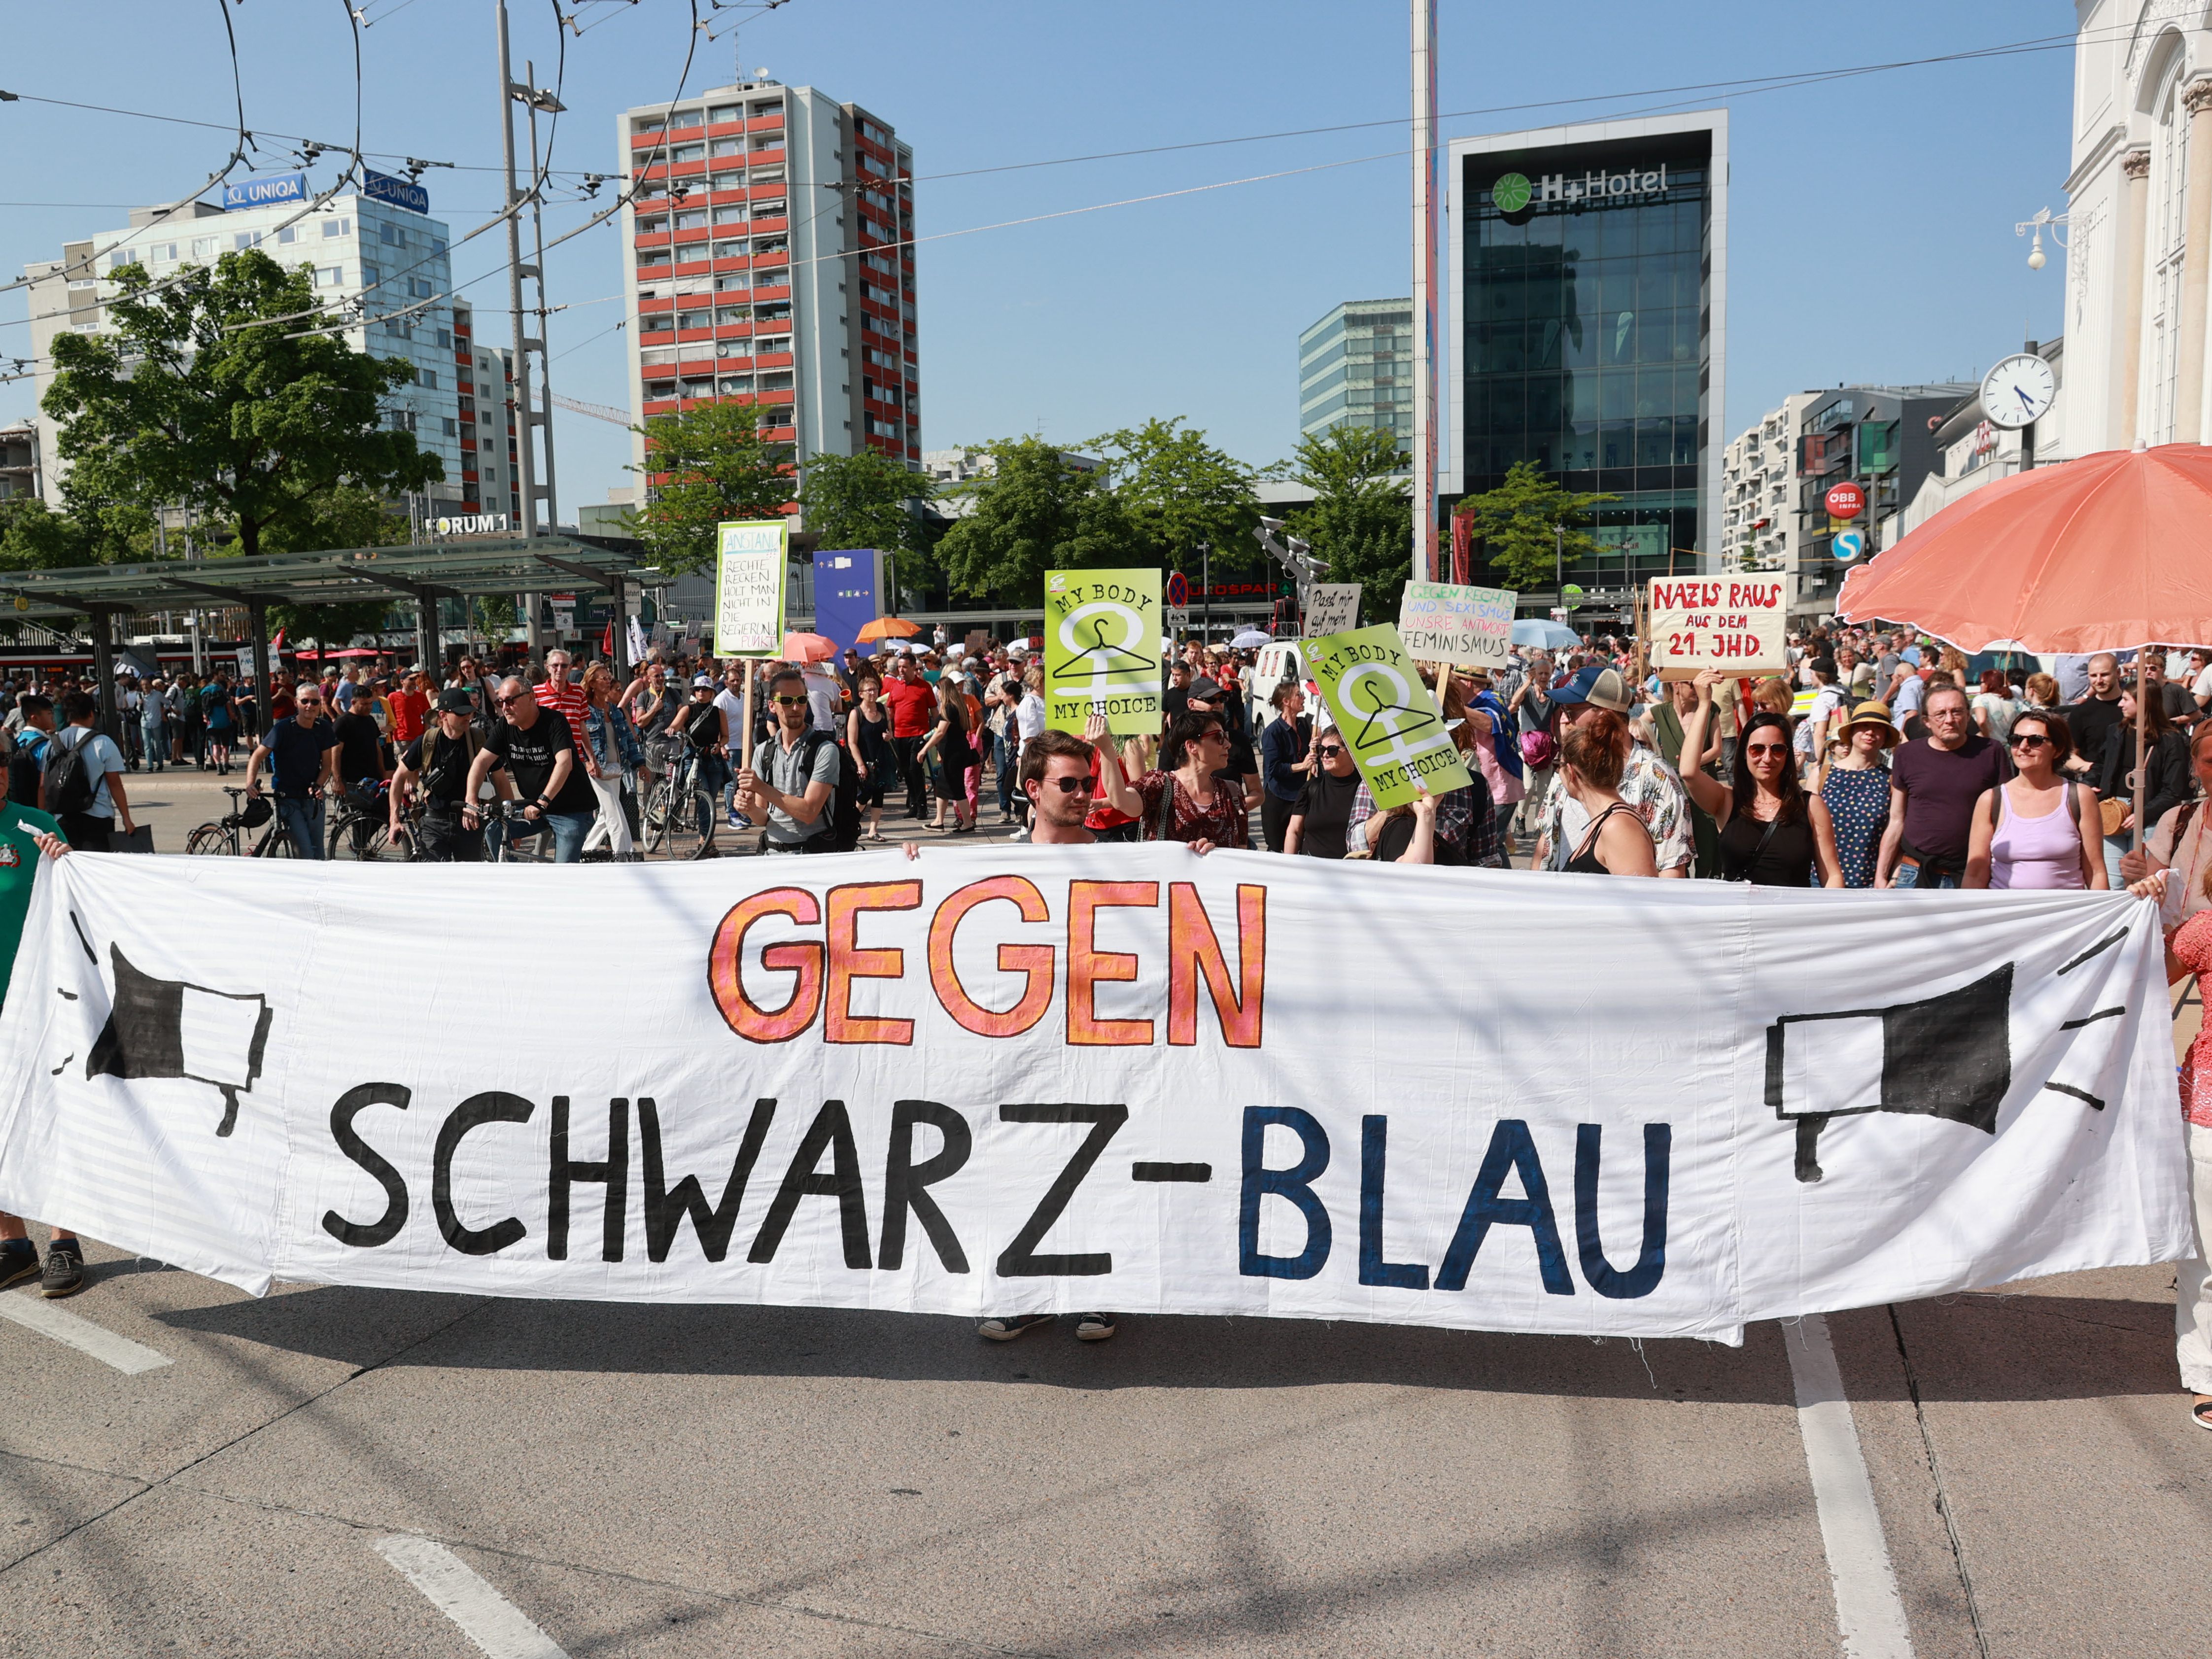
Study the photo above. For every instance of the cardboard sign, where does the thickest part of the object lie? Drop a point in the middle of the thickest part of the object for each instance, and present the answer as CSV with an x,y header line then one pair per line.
x,y
1735,623
1387,717
1468,627
749,560
1331,608
1102,648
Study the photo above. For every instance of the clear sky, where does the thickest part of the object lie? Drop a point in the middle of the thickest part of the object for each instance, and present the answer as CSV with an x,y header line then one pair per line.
x,y
1872,215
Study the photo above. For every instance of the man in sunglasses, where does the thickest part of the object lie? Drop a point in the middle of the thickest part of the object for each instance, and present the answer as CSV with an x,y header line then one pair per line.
x,y
790,783
537,750
1058,771
300,749
1933,784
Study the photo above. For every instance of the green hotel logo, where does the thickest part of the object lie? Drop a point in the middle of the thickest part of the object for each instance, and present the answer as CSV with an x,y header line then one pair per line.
x,y
1510,193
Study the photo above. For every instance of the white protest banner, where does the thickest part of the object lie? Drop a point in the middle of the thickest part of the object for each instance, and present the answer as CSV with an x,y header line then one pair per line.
x,y
1331,608
1102,648
1733,623
1467,627
1124,1077
1373,690
749,582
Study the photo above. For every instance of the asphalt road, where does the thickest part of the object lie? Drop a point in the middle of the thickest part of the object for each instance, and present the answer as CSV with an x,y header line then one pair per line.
x,y
362,1472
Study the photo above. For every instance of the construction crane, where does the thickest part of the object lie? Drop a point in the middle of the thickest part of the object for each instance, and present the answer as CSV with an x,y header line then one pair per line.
x,y
596,411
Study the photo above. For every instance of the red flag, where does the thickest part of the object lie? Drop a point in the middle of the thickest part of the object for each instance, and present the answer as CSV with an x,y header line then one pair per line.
x,y
277,649
607,642
1462,526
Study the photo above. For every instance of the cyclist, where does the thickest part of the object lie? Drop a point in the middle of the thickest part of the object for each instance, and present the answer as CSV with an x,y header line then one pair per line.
x,y
443,774
539,751
707,732
791,793
303,747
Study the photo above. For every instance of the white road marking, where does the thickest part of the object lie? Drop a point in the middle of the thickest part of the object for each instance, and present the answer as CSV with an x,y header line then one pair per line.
x,y
41,1315
486,1618
1868,1608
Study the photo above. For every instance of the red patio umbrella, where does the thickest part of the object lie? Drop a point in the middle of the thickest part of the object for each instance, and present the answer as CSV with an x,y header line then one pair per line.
x,y
2106,553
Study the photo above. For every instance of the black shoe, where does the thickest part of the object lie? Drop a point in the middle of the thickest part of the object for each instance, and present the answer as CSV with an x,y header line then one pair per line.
x,y
1095,1327
1007,1327
18,1260
64,1274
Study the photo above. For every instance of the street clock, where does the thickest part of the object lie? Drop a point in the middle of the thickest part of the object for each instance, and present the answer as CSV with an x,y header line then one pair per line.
x,y
2018,392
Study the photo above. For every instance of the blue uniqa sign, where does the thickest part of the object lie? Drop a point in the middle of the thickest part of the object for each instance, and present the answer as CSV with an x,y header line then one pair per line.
x,y
383,187
259,192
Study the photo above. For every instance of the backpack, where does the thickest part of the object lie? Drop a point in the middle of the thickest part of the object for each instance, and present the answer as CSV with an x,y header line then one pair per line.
x,y
844,812
433,773
70,785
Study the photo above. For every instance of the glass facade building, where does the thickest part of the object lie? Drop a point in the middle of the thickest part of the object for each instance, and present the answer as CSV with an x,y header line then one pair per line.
x,y
1588,288
1356,368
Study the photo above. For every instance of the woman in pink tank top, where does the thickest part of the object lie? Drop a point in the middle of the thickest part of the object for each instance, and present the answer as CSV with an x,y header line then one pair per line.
x,y
2038,831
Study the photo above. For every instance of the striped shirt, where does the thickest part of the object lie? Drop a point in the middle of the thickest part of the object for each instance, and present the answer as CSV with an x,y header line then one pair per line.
x,y
568,698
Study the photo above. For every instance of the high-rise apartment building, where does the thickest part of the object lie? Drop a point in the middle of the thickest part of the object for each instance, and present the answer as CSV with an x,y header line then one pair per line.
x,y
1356,368
374,258
769,256
1761,527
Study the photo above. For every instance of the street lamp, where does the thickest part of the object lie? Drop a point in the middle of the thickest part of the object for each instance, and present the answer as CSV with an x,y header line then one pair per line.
x,y
2044,220
1559,559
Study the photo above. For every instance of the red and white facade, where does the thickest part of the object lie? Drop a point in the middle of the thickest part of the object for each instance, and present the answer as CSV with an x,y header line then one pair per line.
x,y
768,255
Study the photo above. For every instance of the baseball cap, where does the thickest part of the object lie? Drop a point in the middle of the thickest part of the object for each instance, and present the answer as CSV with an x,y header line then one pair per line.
x,y
1595,684
454,701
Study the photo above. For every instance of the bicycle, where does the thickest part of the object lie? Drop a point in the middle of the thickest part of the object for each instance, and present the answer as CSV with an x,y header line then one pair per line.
x,y
226,835
362,827
678,815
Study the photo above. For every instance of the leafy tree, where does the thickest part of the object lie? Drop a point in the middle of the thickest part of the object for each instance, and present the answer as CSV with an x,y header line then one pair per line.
x,y
866,499
1515,523
719,468
1361,522
208,394
1034,512
348,516
1177,490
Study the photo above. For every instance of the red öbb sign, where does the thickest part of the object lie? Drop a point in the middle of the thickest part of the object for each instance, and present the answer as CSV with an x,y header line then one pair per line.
x,y
1845,501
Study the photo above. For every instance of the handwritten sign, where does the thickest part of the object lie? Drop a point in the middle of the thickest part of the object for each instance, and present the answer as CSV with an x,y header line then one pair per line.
x,y
1102,648
1331,608
749,564
1471,627
1703,622
1386,716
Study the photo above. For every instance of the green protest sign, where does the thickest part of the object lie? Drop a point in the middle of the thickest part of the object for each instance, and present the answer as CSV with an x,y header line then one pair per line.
x,y
749,578
1102,648
1384,714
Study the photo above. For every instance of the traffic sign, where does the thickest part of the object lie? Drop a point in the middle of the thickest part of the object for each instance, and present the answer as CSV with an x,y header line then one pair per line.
x,y
1845,501
1848,544
1570,596
1177,595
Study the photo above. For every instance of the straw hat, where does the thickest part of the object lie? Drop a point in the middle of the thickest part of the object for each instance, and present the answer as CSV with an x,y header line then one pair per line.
x,y
1875,714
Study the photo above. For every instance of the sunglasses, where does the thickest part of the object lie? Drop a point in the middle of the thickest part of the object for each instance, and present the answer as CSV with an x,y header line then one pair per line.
x,y
1069,786
791,703
1766,749
310,702
2032,741
503,701
1327,751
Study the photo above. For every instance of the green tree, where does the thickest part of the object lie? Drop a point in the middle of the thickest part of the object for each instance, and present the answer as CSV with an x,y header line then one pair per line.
x,y
1517,523
866,499
1177,490
348,516
1031,512
1361,522
214,393
718,468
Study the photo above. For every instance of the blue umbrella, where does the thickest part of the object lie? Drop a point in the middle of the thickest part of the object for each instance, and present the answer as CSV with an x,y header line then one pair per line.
x,y
1544,632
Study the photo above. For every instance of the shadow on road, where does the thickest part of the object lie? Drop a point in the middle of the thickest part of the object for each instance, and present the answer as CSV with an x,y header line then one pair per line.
x,y
2053,1347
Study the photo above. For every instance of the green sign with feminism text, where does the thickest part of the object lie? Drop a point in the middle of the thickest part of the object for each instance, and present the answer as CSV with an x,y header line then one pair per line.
x,y
1101,649
1384,714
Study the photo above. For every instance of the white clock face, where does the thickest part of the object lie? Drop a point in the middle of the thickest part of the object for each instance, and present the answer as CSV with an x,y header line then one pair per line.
x,y
2017,390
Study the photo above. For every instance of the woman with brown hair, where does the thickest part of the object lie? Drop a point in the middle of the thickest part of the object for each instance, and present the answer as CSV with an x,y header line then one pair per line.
x,y
955,772
1593,752
1773,834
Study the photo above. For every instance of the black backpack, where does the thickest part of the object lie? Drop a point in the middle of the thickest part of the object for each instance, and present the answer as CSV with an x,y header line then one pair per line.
x,y
70,785
844,812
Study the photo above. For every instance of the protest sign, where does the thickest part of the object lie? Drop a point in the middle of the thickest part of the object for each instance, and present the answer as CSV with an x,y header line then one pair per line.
x,y
1331,608
1467,627
1375,696
1733,622
749,581
1102,648
1122,1077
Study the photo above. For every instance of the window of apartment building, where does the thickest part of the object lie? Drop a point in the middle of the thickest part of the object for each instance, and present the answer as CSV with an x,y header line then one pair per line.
x,y
686,118
732,146
330,276
119,257
770,209
655,259
391,235
721,112
452,427
694,319
729,250
728,314
654,226
203,247
288,233
769,346
336,227
736,385
426,377
770,107
767,175
688,152
694,218
771,244
244,238
730,213
371,274
165,252
647,124
656,322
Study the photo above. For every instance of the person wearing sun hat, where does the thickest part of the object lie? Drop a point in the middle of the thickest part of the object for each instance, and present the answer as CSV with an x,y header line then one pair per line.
x,y
1854,783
